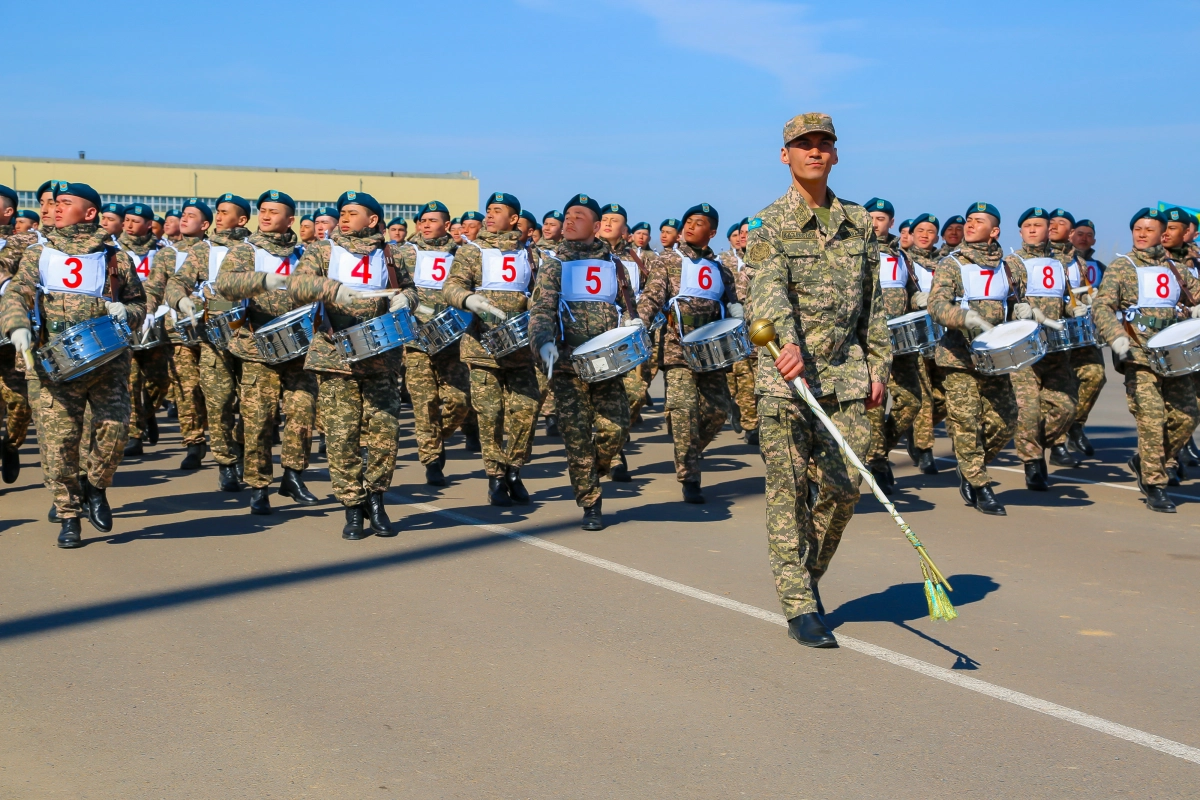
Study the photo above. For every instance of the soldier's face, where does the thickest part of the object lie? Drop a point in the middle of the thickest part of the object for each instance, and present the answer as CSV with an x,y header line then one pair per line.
x,y
668,237
536,235
137,226
1191,233
111,222
274,217
551,228
698,230
811,156
1173,235
612,227
580,225
1147,233
743,236
954,234
456,232
157,229
433,224
641,238
230,216
1035,231
524,226
22,224
1083,238
881,222
906,238
471,229
924,235
171,227
308,231
324,225
192,223
71,210
1060,229
398,233
354,218
499,218
979,228
47,201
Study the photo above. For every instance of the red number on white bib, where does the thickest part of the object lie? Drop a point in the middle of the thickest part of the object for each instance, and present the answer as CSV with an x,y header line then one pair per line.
x,y
508,271
704,278
987,287
143,267
362,269
1091,273
439,269
1048,276
285,267
76,272
1162,290
593,278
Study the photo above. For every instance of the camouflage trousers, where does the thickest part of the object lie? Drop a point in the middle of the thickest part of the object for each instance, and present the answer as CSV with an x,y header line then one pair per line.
x,y
189,399
440,386
582,407
741,391
906,389
698,405
262,388
506,401
981,413
635,385
357,413
61,409
1046,393
547,405
219,376
811,491
1166,414
149,381
14,392
933,403
1088,365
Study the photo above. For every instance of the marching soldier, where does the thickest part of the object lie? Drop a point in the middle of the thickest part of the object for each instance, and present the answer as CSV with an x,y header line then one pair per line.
x,y
325,219
832,335
981,409
220,371
922,261
472,225
952,235
308,230
1176,241
491,278
552,224
576,299
694,288
906,238
257,269
45,197
26,221
73,270
397,230
741,374
639,237
359,402
613,228
668,233
14,390
112,220
170,223
157,227
1140,296
440,383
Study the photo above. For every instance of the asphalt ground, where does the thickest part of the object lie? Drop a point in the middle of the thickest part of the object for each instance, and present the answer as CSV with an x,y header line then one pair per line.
x,y
197,651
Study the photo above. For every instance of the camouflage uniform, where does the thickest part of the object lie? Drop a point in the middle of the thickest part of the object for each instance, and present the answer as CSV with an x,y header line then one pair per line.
x,y
637,380
548,405
60,406
150,370
981,409
439,384
1086,362
1164,408
504,392
933,390
184,371
360,406
14,390
904,380
581,406
741,374
1046,392
263,385
697,402
1185,259
220,372
818,283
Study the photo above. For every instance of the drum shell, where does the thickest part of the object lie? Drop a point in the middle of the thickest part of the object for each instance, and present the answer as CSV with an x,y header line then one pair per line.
x,y
1182,358
84,347
1077,332
508,338
286,337
190,330
920,335
718,352
1009,359
375,336
221,328
621,356
444,329
158,336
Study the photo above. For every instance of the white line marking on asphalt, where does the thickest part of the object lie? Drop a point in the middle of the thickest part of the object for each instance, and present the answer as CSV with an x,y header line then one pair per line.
x,y
1134,735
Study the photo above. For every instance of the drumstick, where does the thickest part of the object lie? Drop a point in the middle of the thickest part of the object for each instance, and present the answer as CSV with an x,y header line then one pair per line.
x,y
381,293
762,333
424,309
28,360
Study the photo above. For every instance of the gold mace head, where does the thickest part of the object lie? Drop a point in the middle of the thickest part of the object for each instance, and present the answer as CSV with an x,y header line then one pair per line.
x,y
762,332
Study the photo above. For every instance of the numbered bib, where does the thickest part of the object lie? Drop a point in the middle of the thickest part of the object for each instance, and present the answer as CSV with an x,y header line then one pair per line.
x,y
984,283
82,274
1157,287
893,271
216,256
359,272
141,264
1093,273
180,257
505,271
589,280
1044,277
280,265
635,275
701,279
924,277
432,268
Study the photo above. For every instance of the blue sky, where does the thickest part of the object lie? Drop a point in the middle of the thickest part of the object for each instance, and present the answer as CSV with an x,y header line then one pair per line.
x,y
657,104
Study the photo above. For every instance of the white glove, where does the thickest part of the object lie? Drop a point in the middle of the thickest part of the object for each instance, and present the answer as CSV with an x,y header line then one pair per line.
x,y
1120,346
117,311
1083,295
1042,319
549,354
1081,310
920,300
1195,312
977,323
398,302
22,339
632,322
186,307
736,311
276,281
1022,311
147,324
478,305
345,295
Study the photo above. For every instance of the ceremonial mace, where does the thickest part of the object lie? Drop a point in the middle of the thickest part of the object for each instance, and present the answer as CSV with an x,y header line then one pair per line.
x,y
762,334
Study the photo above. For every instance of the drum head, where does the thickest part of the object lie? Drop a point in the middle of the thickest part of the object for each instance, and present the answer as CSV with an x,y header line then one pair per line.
x,y
606,339
1177,333
713,330
1007,334
904,319
288,318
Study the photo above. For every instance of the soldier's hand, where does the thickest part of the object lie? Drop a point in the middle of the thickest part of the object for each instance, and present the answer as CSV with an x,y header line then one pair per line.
x,y
274,281
975,322
632,322
1022,311
1081,310
549,354
876,398
1120,346
1083,295
920,300
1195,312
478,305
1042,319
736,311
346,295
187,307
790,362
398,302
117,311
22,339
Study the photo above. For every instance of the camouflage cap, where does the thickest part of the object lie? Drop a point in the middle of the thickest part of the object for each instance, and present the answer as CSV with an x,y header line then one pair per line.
x,y
801,124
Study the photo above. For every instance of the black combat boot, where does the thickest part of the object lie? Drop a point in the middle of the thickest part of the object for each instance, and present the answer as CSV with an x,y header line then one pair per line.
x,y
516,489
692,493
910,446
498,492
95,504
152,428
1035,477
985,501
1060,456
879,471
811,631
69,537
966,491
353,530
817,596
434,475
172,411
552,426
735,418
1135,464
134,447
227,479
1078,440
592,518
194,457
471,438
292,485
260,501
1193,453
619,471
321,450
10,462
752,436
53,515
927,463
377,511
1157,500
239,452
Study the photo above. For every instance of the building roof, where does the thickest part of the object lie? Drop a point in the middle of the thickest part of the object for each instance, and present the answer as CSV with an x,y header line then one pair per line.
x,y
463,175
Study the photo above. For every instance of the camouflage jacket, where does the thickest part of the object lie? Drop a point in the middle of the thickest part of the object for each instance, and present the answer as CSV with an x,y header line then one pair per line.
x,y
627,252
821,290
946,249
662,284
237,280
735,262
61,310
194,272
310,284
1183,258
431,298
12,247
927,259
465,275
895,301
1115,309
945,301
165,262
1052,307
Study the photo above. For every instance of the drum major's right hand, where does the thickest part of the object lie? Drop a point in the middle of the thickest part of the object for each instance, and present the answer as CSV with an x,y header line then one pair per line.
x,y
790,362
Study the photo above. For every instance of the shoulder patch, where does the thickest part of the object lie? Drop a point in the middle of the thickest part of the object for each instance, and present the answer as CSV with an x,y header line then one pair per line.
x,y
758,251
756,223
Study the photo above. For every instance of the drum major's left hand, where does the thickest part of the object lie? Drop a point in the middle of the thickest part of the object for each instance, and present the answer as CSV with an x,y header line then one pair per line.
x,y
875,400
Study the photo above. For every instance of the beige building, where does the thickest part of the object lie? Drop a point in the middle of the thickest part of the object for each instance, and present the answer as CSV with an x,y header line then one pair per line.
x,y
165,186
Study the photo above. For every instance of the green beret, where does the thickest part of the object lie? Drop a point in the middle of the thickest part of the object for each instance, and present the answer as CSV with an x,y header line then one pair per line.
x,y
930,218
1086,223
876,204
472,215
80,190
955,220
615,208
906,225
432,206
174,212
233,199
704,210
1177,214
140,210
641,226
398,221
360,199
671,223
326,211
1148,213
307,218
10,194
1032,213
1062,213
583,200
982,208
273,196
27,214
552,215
504,200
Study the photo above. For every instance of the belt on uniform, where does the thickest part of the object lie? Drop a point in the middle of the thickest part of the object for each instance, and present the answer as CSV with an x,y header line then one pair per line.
x,y
1153,323
697,320
575,339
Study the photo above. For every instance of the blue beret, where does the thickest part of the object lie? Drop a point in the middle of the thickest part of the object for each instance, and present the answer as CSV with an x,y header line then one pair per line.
x,y
27,214
641,226
240,202
358,199
433,206
504,200
199,205
982,208
1177,214
273,196
917,220
552,215
113,208
876,204
9,193
615,208
158,219
1148,213
1086,223
472,215
307,218
327,211
906,225
48,186
456,221
529,217
1036,212
140,210
955,220
732,229
671,223
173,212
398,221
80,190
704,210
587,202
1064,214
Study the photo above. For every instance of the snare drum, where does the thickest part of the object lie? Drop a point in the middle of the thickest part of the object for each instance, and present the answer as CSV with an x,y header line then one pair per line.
x,y
611,354
915,333
656,324
1176,350
156,336
509,337
82,348
1008,347
717,345
1077,332
446,328
375,336
288,335
191,329
220,328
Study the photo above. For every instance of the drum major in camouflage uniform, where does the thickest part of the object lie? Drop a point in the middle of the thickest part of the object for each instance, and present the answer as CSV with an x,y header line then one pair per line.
x,y
14,389
741,374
